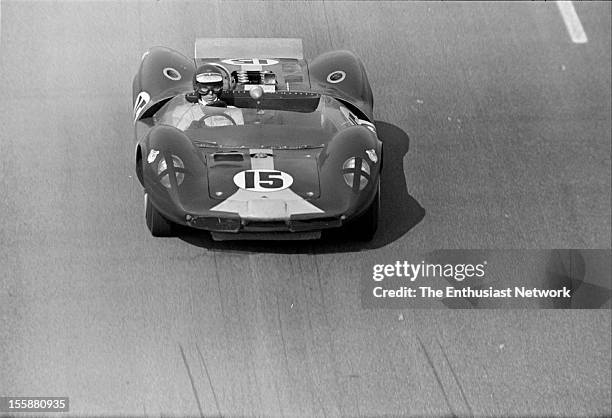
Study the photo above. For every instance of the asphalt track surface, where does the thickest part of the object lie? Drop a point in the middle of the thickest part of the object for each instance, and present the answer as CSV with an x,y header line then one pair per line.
x,y
497,135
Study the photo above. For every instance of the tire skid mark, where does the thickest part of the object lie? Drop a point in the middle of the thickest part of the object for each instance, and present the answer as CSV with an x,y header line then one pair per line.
x,y
435,372
218,283
355,377
303,308
484,372
191,300
226,321
285,359
195,391
277,393
465,400
212,388
246,394
314,394
278,399
329,34
329,332
282,335
269,360
254,273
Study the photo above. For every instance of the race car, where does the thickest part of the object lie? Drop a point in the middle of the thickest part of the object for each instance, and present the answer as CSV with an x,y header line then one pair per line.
x,y
287,151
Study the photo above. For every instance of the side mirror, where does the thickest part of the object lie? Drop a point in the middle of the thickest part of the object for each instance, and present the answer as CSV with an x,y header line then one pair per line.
x,y
191,97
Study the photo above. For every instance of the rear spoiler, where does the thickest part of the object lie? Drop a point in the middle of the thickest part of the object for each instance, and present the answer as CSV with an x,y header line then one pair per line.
x,y
248,48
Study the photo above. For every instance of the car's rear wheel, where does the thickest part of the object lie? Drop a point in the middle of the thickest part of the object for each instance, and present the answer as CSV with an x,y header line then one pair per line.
x,y
365,227
157,224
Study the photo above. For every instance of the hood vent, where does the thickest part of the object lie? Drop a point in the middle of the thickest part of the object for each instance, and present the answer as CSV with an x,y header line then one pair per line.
x,y
228,156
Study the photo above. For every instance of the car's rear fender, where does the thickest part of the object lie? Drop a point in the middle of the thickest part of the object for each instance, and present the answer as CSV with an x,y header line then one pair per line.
x,y
341,74
163,73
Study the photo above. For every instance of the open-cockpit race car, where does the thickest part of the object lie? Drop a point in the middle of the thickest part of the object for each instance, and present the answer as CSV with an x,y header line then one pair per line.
x,y
249,140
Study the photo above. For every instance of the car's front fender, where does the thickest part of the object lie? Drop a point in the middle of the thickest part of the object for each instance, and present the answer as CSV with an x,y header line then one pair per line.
x,y
187,193
336,195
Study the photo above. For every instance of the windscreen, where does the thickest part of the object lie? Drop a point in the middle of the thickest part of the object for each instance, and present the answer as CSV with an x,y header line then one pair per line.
x,y
254,126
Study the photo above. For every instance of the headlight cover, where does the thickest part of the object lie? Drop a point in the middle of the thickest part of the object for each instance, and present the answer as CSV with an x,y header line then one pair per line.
x,y
164,173
356,173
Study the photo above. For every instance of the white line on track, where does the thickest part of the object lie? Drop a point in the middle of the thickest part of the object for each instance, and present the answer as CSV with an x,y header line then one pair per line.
x,y
572,22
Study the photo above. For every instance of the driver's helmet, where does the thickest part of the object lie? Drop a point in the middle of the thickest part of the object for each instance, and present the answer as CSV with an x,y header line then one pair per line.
x,y
208,82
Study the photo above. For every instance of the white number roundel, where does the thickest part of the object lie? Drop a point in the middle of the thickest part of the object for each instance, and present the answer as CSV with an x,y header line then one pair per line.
x,y
250,61
263,180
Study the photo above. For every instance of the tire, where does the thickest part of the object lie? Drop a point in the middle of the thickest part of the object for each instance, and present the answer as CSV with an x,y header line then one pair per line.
x,y
157,224
365,227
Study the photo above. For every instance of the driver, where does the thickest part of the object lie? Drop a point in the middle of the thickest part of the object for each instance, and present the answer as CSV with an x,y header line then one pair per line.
x,y
207,85
209,110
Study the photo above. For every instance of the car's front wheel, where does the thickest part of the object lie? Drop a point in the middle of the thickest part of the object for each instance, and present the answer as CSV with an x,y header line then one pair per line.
x,y
157,224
